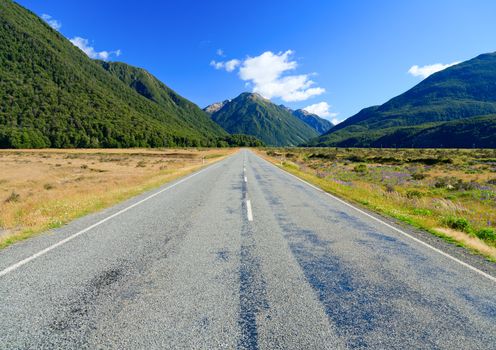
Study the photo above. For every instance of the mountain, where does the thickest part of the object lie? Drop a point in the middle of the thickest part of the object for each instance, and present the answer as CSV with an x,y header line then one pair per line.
x,y
214,107
418,116
153,89
53,95
320,125
251,114
461,133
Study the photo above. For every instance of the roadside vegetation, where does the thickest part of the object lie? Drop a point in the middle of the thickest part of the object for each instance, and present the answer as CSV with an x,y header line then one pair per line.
x,y
44,189
450,193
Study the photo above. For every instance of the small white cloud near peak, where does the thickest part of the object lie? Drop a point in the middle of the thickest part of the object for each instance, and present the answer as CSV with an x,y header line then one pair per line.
x,y
425,71
220,53
52,22
232,65
84,45
322,109
217,65
229,66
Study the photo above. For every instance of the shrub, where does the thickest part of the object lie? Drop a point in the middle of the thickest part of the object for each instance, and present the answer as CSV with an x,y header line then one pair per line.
x,y
355,159
14,197
414,194
464,186
48,186
360,168
421,211
329,156
441,183
390,188
492,181
84,166
458,223
486,234
419,176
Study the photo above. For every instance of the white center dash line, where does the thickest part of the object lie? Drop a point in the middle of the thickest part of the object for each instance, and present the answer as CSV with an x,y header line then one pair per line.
x,y
246,179
249,213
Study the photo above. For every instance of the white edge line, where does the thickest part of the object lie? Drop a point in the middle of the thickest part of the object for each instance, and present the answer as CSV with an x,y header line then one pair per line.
x,y
492,278
249,213
70,238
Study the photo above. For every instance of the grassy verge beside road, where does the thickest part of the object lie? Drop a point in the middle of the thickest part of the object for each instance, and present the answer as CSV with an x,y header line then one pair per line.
x,y
44,189
450,193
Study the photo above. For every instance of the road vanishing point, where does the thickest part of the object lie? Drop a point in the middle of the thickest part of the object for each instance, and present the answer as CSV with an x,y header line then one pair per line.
x,y
242,255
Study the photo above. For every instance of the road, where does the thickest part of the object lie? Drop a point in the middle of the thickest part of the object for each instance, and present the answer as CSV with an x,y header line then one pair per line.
x,y
239,255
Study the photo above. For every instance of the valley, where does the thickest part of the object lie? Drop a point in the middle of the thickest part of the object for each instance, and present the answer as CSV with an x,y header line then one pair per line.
x,y
195,175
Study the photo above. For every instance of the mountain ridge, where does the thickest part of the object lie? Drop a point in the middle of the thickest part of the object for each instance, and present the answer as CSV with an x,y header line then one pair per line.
x,y
53,95
319,124
252,114
462,91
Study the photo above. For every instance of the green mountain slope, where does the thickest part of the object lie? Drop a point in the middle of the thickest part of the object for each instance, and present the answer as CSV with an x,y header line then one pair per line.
x,y
461,91
53,95
153,89
251,114
320,125
474,132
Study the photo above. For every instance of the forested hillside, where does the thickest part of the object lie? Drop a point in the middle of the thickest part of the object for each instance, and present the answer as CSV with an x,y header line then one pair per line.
x,y
251,114
463,91
53,95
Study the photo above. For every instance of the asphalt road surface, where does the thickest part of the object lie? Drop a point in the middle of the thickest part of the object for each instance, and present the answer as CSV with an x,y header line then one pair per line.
x,y
240,255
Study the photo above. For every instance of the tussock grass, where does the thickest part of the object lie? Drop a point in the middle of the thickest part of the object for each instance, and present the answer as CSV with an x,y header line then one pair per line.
x,y
449,193
44,189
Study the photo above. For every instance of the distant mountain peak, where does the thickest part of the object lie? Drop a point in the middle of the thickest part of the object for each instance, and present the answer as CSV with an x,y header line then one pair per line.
x,y
252,114
214,107
305,112
317,123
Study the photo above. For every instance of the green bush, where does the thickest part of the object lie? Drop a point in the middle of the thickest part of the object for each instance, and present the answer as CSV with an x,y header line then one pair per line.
x,y
486,234
419,176
414,194
390,188
360,168
458,223
421,211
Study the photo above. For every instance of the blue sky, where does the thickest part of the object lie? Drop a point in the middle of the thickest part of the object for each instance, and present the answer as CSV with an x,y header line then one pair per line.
x,y
344,54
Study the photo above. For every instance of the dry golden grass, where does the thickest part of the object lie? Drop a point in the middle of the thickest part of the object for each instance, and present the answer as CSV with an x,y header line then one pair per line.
x,y
43,189
469,241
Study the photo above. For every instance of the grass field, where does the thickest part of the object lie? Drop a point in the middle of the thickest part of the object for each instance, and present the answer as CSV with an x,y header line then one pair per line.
x,y
451,193
44,189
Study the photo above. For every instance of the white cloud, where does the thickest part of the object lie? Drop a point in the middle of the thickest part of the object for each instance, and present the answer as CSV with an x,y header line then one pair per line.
x,y
427,70
229,66
220,53
217,65
52,22
266,73
232,65
84,45
322,109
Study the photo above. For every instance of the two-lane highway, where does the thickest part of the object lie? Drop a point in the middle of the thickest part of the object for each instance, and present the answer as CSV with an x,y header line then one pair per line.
x,y
239,255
